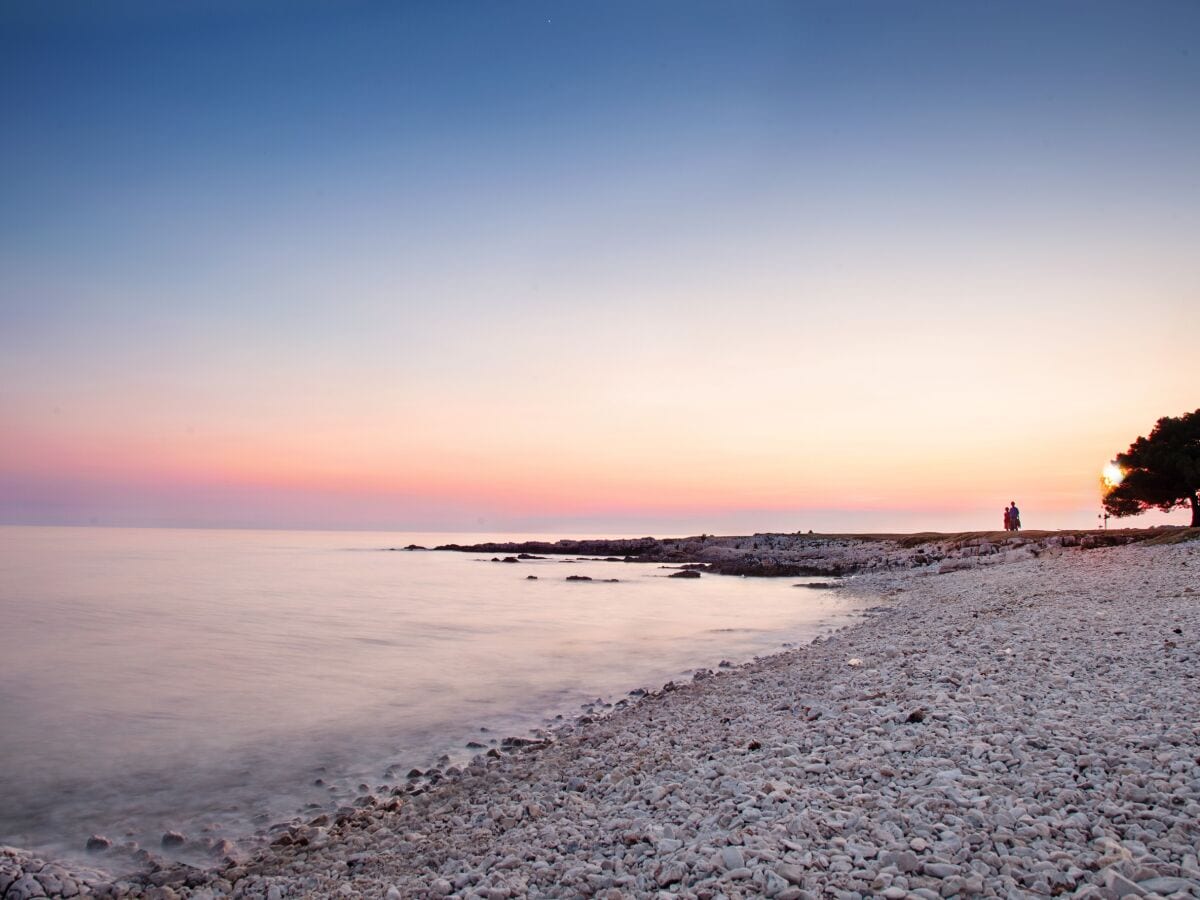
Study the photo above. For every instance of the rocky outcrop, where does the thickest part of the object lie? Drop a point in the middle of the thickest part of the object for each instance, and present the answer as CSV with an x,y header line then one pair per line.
x,y
821,556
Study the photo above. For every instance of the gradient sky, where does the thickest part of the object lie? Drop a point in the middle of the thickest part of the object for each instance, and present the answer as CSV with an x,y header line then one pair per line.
x,y
633,267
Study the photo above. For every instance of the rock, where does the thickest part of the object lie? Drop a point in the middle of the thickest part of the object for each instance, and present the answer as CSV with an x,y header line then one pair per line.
x,y
579,578
1164,885
97,843
731,858
1120,885
669,873
25,888
790,873
173,839
940,870
905,860
531,578
686,573
511,743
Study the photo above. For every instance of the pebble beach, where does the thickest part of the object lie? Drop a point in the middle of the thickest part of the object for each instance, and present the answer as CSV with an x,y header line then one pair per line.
x,y
1025,727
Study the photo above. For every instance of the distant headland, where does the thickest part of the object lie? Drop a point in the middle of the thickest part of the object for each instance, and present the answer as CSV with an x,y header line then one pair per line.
x,y
830,555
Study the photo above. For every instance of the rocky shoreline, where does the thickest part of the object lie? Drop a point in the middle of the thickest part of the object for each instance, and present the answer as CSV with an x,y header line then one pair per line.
x,y
798,554
1010,720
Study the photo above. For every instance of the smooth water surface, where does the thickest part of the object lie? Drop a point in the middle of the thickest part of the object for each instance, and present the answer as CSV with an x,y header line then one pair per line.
x,y
155,679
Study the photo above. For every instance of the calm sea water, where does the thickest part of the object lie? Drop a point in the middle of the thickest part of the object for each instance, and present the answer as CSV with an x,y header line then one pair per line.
x,y
205,680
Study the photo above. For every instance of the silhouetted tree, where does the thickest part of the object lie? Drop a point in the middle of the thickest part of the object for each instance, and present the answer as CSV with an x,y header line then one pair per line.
x,y
1161,471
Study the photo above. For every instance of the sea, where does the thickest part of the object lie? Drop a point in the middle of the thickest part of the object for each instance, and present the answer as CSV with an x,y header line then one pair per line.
x,y
216,682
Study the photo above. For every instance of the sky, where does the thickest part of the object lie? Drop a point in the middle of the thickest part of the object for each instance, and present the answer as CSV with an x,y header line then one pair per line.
x,y
661,267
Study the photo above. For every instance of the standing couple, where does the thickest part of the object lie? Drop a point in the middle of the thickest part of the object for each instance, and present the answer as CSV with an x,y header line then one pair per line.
x,y
1012,517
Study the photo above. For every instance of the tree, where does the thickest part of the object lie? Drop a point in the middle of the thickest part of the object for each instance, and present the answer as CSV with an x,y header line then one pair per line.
x,y
1161,471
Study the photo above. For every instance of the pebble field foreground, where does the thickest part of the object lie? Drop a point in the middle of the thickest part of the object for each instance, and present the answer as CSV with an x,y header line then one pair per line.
x,y
1023,729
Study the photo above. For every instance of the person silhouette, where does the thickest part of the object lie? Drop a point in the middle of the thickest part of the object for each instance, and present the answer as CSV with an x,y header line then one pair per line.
x,y
1014,517
1007,519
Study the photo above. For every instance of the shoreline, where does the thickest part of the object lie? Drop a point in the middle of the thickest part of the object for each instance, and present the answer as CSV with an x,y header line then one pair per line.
x,y
617,804
798,554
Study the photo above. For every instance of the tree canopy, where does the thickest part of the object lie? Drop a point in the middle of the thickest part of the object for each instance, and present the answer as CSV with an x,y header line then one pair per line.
x,y
1161,471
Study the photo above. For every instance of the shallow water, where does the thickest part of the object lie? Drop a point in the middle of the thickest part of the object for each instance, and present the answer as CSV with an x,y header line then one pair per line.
x,y
206,680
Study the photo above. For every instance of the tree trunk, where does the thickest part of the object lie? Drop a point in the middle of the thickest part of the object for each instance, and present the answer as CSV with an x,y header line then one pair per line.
x,y
1195,510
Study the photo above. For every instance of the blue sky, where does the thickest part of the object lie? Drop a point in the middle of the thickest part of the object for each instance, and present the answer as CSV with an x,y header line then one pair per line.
x,y
278,248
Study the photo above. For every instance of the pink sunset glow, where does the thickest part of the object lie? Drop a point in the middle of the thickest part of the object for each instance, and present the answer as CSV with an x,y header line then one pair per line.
x,y
652,310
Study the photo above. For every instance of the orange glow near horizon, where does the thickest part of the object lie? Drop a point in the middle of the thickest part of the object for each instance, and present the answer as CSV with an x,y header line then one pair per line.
x,y
848,403
692,470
